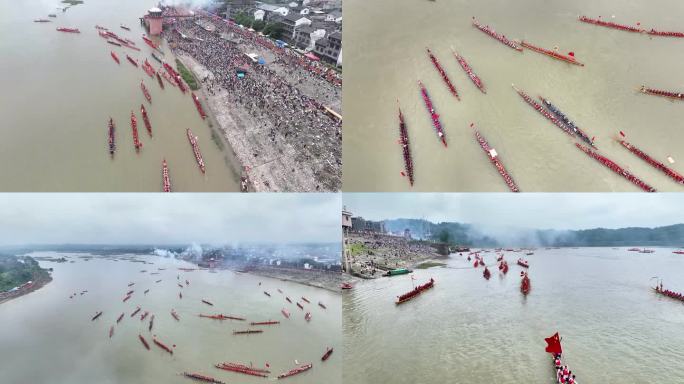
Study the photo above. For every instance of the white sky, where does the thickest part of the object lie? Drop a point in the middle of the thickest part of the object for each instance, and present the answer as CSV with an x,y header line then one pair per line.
x,y
155,218
526,210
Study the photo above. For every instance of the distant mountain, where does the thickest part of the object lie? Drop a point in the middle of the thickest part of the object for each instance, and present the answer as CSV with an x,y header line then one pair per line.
x,y
478,236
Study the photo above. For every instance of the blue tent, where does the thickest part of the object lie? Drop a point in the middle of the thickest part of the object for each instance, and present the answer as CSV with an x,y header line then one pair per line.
x,y
280,43
262,61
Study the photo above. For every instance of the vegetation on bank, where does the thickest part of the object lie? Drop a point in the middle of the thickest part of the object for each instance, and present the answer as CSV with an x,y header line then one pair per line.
x,y
430,264
269,29
15,271
187,76
358,249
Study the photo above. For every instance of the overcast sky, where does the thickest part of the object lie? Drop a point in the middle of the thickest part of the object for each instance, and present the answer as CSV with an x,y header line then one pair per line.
x,y
154,218
526,210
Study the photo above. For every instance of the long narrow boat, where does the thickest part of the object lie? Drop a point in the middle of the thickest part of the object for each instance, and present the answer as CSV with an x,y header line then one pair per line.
x,y
156,57
148,68
112,138
145,92
443,73
195,149
150,42
543,111
671,294
68,30
327,354
120,317
494,159
165,177
204,378
207,302
415,292
136,139
115,57
502,38
161,83
241,368
610,24
162,345
42,21
307,316
320,304
111,331
661,93
248,331
198,105
124,27
132,61
433,115
567,58
616,168
175,315
654,32
151,323
653,162
295,371
523,263
146,120
566,121
269,322
135,312
144,315
114,43
144,342
285,313
98,314
469,71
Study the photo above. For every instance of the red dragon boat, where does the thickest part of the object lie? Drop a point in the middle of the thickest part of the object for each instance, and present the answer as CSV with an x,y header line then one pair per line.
x,y
610,24
327,354
136,139
295,371
146,120
616,168
567,58
150,42
654,32
269,322
653,162
433,115
466,67
666,292
241,368
175,76
204,378
145,92
165,177
494,159
543,111
502,38
486,274
198,105
144,342
148,68
443,73
523,263
112,138
678,252
132,61
162,345
406,148
68,30
307,316
525,284
658,92
115,57
285,313
195,149
415,292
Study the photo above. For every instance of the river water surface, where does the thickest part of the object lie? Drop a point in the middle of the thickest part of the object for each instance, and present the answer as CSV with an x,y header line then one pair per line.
x,y
385,43
615,329
46,337
60,90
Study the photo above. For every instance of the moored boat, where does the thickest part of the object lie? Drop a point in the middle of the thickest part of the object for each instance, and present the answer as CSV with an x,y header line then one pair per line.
x,y
433,114
198,105
195,149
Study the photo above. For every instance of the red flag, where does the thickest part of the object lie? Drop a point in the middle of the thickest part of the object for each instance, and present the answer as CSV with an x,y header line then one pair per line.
x,y
553,344
571,54
402,173
622,134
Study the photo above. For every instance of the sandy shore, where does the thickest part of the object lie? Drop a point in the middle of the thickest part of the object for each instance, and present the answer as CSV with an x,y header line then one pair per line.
x,y
271,166
37,284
